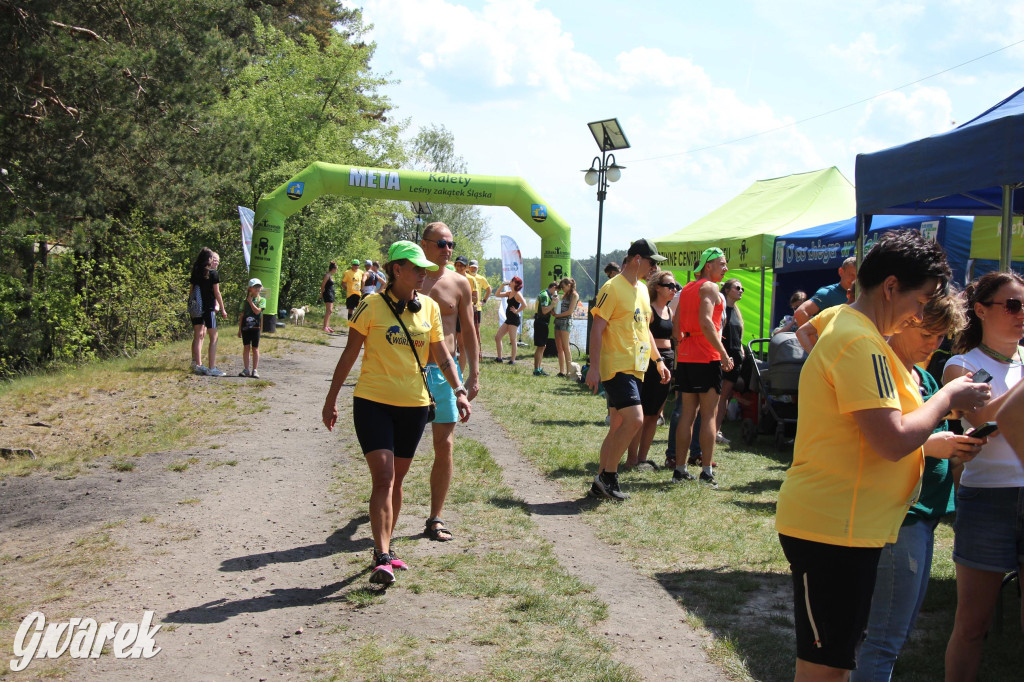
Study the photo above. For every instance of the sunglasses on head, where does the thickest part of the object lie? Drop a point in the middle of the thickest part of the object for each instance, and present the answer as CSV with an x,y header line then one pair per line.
x,y
443,244
670,285
1012,305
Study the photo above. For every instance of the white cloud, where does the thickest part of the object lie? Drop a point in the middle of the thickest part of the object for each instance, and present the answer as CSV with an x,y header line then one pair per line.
x,y
864,55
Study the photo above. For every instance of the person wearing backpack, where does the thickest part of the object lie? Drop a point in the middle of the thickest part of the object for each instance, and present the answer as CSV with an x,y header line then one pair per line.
x,y
203,301
250,322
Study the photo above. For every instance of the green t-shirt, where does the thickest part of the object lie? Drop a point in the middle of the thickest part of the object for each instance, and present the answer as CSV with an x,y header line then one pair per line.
x,y
543,301
251,320
937,498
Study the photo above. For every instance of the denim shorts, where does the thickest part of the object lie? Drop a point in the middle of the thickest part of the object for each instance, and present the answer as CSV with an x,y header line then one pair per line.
x,y
989,528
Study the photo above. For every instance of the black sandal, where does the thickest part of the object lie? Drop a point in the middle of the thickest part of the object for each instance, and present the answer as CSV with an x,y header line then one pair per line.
x,y
437,529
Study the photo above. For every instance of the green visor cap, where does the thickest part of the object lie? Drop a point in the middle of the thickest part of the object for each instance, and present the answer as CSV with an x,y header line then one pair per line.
x,y
410,252
708,254
355,261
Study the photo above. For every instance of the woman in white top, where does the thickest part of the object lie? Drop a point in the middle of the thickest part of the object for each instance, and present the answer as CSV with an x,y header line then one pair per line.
x,y
990,500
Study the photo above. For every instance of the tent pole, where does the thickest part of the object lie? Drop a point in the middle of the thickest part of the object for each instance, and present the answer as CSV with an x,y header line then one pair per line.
x,y
1006,236
863,225
761,333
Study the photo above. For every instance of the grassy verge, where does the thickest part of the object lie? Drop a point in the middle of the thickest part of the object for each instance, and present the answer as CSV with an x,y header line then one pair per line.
x,y
517,615
127,407
714,551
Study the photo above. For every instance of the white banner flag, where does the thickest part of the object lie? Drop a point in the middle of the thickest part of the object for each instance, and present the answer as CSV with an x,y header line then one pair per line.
x,y
511,266
247,216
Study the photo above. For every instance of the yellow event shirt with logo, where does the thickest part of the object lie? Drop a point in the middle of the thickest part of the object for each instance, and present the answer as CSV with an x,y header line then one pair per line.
x,y
390,374
481,285
475,286
839,491
626,342
352,280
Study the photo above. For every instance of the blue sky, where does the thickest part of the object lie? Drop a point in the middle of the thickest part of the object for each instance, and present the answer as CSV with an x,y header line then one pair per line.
x,y
516,81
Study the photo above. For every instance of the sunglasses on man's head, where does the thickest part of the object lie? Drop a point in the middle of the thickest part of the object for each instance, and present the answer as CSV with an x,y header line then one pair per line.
x,y
670,285
443,244
1012,305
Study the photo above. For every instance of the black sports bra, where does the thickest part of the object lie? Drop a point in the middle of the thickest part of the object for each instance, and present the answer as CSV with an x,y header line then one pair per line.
x,y
660,327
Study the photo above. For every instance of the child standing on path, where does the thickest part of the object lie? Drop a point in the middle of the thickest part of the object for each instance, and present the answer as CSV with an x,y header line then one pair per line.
x,y
250,322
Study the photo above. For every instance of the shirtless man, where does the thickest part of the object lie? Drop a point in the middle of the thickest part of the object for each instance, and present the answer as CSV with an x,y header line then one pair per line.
x,y
454,295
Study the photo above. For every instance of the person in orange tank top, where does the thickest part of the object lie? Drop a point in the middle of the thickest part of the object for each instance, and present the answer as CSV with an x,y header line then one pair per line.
x,y
700,360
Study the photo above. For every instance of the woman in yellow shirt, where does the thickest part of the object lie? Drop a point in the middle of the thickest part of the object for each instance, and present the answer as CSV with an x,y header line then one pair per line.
x,y
400,331
857,460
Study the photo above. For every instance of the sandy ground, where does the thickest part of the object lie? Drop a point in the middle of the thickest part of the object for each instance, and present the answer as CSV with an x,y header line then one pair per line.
x,y
247,580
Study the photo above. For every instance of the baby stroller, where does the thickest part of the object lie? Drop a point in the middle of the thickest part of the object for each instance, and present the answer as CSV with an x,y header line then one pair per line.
x,y
777,381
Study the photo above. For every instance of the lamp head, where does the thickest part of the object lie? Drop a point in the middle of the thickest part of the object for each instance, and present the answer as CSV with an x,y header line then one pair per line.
x,y
614,172
591,176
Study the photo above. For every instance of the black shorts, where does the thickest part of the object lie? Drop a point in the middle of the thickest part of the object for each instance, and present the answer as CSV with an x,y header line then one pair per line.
x,y
388,427
832,589
653,393
623,390
699,377
733,374
208,320
352,301
540,331
251,337
476,318
328,297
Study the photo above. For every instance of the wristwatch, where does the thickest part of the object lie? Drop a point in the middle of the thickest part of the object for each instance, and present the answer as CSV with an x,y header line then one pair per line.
x,y
461,388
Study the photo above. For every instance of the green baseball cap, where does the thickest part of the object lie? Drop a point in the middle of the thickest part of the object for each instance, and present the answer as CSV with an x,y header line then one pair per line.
x,y
355,261
411,252
706,255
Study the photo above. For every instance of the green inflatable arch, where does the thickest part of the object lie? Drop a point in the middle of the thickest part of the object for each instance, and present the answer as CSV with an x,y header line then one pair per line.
x,y
401,185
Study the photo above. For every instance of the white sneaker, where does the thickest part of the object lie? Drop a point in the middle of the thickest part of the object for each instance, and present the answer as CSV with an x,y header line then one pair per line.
x,y
719,438
214,372
254,374
200,370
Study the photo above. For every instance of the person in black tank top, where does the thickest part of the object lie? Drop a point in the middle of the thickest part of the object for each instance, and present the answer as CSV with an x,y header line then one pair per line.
x,y
327,294
662,287
732,339
515,299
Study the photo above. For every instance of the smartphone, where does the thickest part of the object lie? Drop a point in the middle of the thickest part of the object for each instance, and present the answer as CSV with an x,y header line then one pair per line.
x,y
983,430
981,377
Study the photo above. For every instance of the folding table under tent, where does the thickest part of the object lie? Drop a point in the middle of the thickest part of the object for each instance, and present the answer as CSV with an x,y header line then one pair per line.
x,y
974,169
746,227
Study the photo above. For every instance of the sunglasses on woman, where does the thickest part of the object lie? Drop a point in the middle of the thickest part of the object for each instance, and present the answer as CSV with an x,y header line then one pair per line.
x,y
1012,305
670,285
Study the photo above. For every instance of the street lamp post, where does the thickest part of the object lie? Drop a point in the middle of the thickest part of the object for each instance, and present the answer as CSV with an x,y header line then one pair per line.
x,y
603,169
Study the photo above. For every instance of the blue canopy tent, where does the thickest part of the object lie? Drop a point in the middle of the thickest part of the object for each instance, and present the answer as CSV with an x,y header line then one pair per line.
x,y
974,169
808,259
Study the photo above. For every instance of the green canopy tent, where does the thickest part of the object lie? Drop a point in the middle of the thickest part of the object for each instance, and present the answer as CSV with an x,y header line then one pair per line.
x,y
746,226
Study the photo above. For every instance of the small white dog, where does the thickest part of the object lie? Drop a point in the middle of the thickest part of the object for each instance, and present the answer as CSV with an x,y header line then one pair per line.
x,y
298,315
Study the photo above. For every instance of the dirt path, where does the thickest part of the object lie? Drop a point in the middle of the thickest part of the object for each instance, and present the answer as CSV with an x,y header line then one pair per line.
x,y
242,563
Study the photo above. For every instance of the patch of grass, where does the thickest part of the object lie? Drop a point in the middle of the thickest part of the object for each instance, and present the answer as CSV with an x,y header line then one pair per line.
x,y
123,407
190,501
122,465
716,552
222,462
177,466
147,519
517,615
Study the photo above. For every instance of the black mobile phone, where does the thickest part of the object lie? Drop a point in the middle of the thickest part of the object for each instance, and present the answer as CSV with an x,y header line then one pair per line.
x,y
983,430
981,377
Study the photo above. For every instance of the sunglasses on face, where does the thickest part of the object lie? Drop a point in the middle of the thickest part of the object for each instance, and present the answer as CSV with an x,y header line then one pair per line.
x,y
443,244
670,285
1012,305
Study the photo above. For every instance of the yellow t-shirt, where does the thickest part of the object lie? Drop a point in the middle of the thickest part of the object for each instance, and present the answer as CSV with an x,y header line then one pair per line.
x,y
353,282
390,374
481,286
626,342
475,286
838,490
